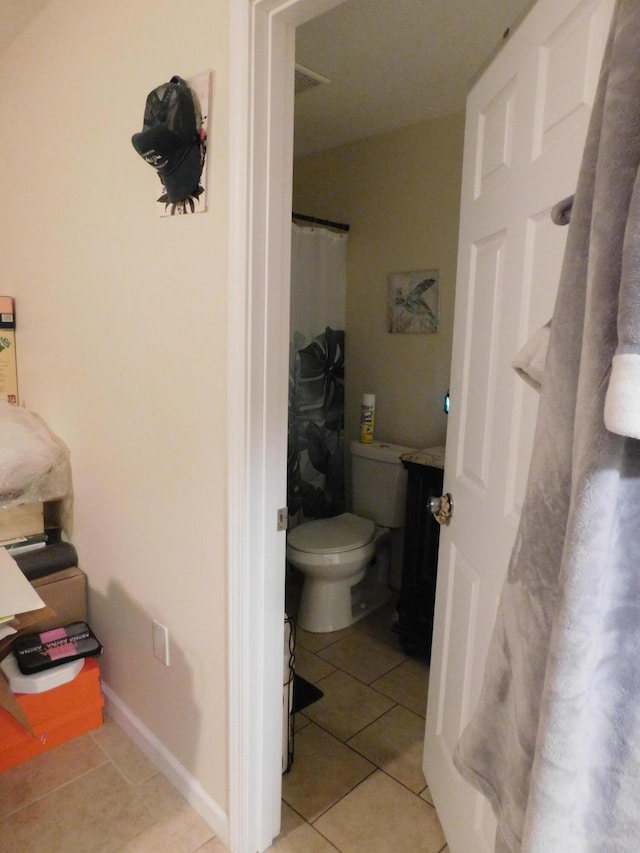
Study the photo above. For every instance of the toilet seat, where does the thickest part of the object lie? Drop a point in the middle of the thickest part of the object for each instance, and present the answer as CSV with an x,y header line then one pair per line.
x,y
341,533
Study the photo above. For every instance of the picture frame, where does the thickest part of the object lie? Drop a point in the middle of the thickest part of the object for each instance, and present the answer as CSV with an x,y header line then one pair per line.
x,y
414,302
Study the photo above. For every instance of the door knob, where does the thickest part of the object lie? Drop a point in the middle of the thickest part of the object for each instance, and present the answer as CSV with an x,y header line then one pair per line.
x,y
441,508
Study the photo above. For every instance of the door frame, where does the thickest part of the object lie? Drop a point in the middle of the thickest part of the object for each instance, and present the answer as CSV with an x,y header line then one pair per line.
x,y
261,64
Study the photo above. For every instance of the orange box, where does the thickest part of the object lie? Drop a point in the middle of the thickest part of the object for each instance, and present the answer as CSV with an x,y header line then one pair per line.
x,y
55,716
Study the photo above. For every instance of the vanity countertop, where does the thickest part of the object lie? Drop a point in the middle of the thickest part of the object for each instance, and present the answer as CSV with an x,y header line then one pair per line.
x,y
432,456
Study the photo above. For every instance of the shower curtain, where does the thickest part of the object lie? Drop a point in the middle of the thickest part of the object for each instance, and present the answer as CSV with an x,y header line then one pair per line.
x,y
315,464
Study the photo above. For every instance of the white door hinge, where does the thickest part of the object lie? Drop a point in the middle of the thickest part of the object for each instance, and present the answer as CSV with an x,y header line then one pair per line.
x,y
283,518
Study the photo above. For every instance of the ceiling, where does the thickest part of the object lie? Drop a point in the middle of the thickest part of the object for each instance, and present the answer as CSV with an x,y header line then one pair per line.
x,y
393,63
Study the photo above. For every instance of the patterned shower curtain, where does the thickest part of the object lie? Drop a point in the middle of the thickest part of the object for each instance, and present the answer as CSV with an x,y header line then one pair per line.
x,y
315,465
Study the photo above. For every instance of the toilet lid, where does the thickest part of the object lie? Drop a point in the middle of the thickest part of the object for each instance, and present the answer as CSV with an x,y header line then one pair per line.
x,y
329,535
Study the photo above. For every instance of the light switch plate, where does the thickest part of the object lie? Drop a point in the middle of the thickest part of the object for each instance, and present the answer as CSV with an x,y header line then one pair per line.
x,y
161,642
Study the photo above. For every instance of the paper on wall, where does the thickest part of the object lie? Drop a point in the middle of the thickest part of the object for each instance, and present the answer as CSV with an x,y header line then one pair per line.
x,y
16,593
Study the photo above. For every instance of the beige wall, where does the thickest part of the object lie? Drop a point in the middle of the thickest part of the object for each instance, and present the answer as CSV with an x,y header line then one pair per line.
x,y
121,342
400,194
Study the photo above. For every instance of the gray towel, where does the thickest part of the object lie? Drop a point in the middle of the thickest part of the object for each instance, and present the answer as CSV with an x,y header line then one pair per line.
x,y
532,358
555,740
561,212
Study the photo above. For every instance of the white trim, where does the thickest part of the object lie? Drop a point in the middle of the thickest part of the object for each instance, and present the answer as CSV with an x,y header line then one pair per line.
x,y
168,764
261,64
242,796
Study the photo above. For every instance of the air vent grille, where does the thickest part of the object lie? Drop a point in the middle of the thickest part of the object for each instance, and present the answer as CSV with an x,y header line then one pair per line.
x,y
307,79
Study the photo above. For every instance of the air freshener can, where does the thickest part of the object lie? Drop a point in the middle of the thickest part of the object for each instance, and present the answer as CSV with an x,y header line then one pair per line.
x,y
367,417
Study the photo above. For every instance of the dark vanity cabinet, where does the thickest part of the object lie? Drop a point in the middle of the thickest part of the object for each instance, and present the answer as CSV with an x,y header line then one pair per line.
x,y
420,560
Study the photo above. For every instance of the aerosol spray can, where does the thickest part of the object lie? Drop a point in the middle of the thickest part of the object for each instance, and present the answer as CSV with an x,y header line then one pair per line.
x,y
367,417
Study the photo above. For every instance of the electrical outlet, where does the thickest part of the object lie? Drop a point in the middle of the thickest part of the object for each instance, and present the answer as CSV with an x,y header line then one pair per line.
x,y
161,642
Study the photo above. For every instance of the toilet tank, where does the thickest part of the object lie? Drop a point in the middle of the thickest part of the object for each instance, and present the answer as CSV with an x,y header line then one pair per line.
x,y
379,482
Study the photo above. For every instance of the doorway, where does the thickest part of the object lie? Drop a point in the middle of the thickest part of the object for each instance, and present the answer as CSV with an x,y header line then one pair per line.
x,y
372,713
257,547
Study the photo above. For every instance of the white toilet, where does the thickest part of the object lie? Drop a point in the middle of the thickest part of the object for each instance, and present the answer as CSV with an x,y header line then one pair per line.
x,y
346,559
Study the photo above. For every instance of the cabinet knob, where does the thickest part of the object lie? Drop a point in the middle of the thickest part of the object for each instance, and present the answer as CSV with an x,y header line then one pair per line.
x,y
441,508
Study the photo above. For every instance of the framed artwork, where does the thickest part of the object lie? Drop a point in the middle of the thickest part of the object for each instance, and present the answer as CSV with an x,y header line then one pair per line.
x,y
414,302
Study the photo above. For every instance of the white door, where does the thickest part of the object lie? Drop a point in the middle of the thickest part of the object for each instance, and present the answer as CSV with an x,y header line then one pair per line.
x,y
527,119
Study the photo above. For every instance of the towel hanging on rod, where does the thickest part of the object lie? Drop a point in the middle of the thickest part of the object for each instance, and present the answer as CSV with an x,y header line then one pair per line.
x,y
315,221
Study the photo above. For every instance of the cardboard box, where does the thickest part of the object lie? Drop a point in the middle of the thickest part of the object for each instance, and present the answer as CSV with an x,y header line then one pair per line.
x,y
21,520
55,717
65,595
65,592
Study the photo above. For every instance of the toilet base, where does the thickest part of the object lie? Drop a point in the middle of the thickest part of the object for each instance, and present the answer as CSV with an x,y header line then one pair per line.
x,y
330,606
319,616
325,606
366,597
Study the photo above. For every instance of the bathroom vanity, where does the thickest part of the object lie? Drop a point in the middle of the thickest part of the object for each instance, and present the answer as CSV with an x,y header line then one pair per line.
x,y
425,471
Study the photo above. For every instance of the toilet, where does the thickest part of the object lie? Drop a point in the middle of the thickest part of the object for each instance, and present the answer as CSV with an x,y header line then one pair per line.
x,y
346,560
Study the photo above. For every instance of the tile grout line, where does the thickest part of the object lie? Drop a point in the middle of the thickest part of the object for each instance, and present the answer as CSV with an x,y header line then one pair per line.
x,y
396,704
58,788
317,653
342,796
355,734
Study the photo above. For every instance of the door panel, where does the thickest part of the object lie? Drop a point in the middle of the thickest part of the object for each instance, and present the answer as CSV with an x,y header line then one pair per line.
x,y
495,140
527,119
567,75
477,397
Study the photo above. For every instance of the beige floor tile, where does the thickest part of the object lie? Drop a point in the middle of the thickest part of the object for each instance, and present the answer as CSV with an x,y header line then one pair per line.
x,y
379,816
176,827
426,795
363,656
93,814
214,845
35,778
304,839
347,706
300,721
297,836
169,836
311,667
289,820
130,761
101,813
323,771
395,743
407,684
380,622
316,642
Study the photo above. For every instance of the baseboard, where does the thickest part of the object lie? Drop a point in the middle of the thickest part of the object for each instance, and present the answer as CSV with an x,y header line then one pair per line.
x,y
167,763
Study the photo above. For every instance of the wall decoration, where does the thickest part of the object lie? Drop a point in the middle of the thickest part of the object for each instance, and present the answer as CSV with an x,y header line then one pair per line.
x,y
202,87
414,301
174,140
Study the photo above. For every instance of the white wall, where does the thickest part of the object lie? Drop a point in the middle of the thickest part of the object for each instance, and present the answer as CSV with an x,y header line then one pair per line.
x,y
400,194
122,343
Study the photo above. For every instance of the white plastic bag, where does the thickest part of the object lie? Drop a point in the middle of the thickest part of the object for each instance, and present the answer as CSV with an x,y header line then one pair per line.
x,y
34,463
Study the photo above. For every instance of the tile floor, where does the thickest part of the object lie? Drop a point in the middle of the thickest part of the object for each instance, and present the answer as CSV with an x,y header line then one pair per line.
x,y
97,794
356,784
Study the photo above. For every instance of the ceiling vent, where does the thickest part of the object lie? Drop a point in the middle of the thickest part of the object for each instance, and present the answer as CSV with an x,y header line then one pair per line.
x,y
307,79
